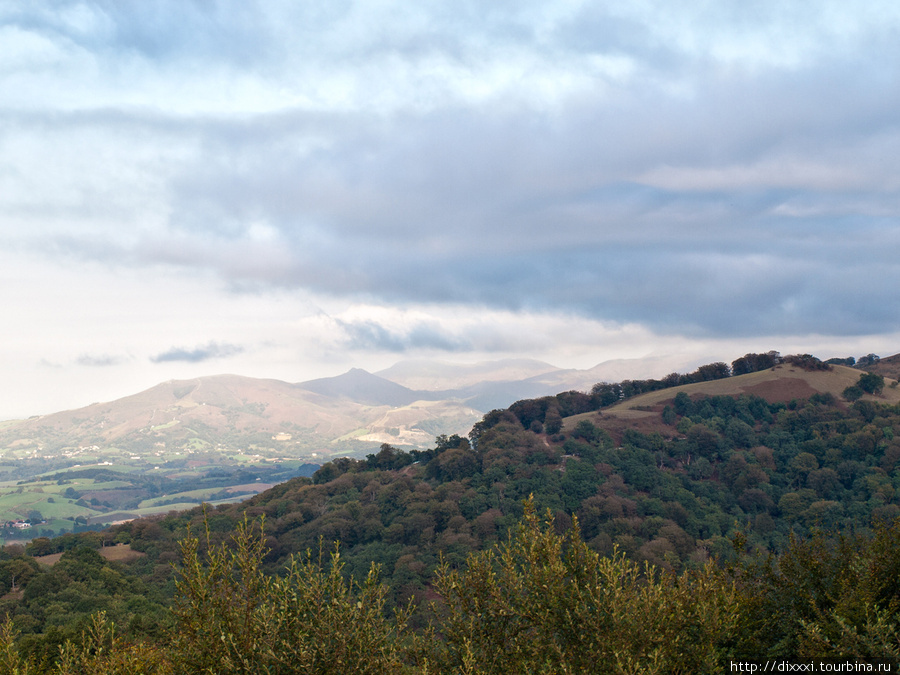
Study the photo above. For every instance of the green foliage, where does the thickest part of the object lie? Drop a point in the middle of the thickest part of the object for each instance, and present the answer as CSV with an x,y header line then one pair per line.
x,y
546,603
807,362
853,393
868,383
543,602
668,416
839,361
102,651
871,383
751,363
233,618
586,430
11,661
605,394
827,596
55,604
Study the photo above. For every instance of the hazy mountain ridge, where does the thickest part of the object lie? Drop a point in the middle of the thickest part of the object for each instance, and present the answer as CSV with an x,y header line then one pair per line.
x,y
491,385
473,379
236,411
199,407
431,375
195,439
316,415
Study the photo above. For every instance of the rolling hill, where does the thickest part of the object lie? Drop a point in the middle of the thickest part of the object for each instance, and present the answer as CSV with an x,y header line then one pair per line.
x,y
233,412
780,384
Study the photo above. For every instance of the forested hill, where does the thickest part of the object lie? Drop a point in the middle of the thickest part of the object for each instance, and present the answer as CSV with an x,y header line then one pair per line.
x,y
674,474
671,485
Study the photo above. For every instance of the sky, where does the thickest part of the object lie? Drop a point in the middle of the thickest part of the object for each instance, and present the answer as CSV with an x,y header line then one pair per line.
x,y
290,189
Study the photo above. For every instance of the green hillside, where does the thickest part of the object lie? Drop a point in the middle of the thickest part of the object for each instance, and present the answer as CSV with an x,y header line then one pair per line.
x,y
742,517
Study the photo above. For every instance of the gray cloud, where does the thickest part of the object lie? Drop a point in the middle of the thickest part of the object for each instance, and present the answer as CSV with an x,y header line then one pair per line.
x,y
212,350
722,180
373,335
101,361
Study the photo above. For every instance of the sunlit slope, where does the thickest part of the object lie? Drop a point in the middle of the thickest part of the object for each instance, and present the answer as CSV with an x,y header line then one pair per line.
x,y
226,409
782,383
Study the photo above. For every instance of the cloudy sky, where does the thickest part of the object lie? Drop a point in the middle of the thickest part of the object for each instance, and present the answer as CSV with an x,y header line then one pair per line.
x,y
289,189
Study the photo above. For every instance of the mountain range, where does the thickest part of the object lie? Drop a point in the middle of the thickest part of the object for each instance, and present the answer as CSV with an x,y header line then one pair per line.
x,y
409,404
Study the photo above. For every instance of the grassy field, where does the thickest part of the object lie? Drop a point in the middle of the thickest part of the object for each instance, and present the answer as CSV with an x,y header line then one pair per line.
x,y
45,478
356,433
21,501
201,495
784,378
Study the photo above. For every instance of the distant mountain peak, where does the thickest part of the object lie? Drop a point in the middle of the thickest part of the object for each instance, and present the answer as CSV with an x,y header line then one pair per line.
x,y
363,387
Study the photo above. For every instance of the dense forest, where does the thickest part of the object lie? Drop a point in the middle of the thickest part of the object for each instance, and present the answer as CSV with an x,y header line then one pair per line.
x,y
541,542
